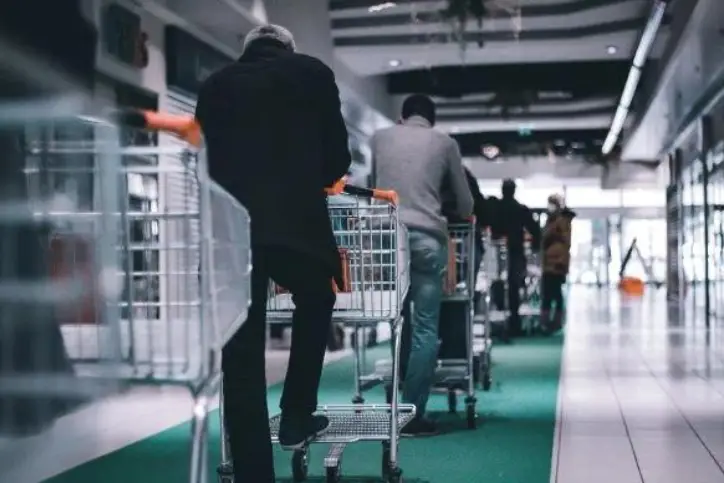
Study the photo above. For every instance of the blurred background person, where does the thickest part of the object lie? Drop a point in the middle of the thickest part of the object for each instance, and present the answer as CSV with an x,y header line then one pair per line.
x,y
513,221
556,261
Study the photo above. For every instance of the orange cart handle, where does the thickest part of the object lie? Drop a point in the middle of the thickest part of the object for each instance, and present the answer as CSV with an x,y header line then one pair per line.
x,y
185,127
341,186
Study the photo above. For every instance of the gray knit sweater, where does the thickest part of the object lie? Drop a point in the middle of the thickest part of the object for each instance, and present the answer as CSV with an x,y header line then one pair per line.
x,y
414,160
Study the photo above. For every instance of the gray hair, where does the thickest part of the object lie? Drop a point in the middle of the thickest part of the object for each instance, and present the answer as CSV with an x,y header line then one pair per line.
x,y
273,32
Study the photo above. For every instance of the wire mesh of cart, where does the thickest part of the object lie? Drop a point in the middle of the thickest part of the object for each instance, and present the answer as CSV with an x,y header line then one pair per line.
x,y
373,249
185,279
493,281
58,259
532,290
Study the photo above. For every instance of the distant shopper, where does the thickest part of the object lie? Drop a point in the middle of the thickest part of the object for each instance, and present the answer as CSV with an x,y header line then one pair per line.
x,y
415,160
556,261
276,138
513,221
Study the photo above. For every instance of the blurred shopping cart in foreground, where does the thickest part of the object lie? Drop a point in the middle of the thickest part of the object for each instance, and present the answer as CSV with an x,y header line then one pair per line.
x,y
127,293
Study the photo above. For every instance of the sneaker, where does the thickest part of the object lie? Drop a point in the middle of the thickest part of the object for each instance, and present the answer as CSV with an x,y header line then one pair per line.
x,y
296,434
419,427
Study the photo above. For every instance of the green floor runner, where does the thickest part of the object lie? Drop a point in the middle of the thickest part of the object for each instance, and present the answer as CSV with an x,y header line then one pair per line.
x,y
513,443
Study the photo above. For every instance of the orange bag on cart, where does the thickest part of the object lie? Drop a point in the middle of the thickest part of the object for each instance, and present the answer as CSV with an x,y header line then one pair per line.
x,y
72,260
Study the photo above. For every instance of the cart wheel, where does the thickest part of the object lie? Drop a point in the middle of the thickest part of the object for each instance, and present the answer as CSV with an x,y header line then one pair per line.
x,y
385,460
334,474
300,465
487,381
226,473
472,415
452,401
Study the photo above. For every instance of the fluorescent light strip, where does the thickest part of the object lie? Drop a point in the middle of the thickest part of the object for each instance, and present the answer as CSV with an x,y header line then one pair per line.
x,y
381,6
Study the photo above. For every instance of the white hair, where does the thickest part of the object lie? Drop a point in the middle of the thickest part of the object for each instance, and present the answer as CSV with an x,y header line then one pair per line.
x,y
271,31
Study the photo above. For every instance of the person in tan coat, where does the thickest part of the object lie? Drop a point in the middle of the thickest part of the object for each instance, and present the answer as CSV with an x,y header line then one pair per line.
x,y
556,261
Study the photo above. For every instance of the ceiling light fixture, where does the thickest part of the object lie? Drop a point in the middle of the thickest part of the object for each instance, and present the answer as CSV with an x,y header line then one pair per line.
x,y
490,151
381,6
611,49
395,63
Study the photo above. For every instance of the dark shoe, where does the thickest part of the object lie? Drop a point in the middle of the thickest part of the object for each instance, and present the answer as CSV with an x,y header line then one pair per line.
x,y
419,427
296,434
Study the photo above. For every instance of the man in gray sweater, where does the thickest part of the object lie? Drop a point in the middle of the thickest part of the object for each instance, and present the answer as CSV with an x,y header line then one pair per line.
x,y
415,160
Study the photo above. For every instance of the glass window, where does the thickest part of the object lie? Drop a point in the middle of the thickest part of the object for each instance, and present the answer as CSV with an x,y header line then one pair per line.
x,y
592,197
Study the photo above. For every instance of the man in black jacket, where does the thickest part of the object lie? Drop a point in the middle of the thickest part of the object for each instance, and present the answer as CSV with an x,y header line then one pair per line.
x,y
276,137
512,221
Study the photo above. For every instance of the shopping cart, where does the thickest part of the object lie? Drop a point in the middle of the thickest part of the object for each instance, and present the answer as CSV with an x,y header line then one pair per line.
x,y
47,297
203,246
373,247
183,245
494,275
458,374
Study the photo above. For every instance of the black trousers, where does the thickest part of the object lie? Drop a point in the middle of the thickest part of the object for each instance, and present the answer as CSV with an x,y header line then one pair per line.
x,y
244,365
552,291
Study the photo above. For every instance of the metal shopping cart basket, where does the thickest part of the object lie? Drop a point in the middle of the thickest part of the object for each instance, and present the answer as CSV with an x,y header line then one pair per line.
x,y
52,292
454,374
373,245
493,275
186,266
203,271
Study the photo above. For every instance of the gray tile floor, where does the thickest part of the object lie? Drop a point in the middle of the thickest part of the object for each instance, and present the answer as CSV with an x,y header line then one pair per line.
x,y
642,399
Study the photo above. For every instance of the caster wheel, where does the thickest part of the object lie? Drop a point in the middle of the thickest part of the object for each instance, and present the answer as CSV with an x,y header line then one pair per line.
x,y
226,473
487,381
395,476
385,461
452,401
334,475
300,465
471,416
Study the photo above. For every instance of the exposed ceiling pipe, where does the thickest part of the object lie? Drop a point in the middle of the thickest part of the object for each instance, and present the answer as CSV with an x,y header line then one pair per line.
x,y
634,75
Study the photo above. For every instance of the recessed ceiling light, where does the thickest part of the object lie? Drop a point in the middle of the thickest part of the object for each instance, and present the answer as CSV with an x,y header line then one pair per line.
x,y
490,151
611,49
395,63
381,6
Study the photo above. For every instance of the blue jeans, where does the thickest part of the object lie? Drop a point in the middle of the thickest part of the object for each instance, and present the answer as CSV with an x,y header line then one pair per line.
x,y
428,260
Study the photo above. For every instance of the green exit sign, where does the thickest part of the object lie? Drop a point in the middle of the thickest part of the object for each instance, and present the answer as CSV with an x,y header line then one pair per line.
x,y
525,131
